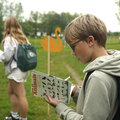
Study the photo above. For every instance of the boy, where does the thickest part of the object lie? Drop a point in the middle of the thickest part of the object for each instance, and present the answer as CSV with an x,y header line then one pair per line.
x,y
97,98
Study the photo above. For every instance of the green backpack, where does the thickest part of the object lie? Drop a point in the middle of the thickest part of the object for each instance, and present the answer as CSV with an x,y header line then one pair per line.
x,y
26,57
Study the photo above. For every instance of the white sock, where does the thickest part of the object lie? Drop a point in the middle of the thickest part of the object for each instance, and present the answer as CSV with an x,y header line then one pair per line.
x,y
15,114
23,119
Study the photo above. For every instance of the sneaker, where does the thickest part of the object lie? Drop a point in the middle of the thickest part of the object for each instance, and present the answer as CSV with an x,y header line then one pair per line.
x,y
11,118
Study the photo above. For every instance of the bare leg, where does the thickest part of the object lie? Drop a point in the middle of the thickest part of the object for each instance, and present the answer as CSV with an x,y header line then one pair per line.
x,y
19,92
13,99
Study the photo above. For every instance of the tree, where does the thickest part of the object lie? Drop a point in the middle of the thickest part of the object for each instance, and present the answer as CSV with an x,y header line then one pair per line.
x,y
35,18
2,14
15,10
9,10
51,20
27,28
66,18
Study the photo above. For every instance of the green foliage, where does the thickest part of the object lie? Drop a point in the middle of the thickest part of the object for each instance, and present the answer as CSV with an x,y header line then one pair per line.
x,y
14,10
46,22
51,20
2,14
35,19
27,28
113,33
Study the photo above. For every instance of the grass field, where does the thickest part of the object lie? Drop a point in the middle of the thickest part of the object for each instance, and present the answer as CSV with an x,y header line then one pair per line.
x,y
37,106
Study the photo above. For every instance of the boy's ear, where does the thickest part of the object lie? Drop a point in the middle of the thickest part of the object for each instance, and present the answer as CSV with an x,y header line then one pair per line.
x,y
90,40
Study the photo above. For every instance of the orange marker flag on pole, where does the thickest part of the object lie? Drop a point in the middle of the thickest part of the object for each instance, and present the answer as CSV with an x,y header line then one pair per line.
x,y
51,45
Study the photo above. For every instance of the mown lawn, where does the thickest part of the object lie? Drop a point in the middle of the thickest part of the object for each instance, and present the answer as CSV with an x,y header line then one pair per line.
x,y
37,106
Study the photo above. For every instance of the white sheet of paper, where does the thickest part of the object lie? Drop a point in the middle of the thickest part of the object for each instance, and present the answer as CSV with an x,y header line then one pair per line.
x,y
43,83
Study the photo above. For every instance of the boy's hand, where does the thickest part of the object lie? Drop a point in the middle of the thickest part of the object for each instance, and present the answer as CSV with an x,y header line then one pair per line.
x,y
51,101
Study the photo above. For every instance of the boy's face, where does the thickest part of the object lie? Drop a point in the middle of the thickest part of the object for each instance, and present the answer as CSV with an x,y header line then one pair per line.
x,y
82,51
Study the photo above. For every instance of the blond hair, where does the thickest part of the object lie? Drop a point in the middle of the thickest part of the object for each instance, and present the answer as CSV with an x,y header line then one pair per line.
x,y
83,26
13,29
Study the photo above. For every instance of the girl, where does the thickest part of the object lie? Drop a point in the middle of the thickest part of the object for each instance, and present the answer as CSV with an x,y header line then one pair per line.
x,y
12,36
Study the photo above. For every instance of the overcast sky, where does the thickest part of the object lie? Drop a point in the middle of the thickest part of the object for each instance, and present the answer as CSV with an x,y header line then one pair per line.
x,y
104,9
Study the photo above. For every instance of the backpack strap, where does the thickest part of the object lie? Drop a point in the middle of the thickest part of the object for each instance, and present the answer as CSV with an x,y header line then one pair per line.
x,y
86,78
117,115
